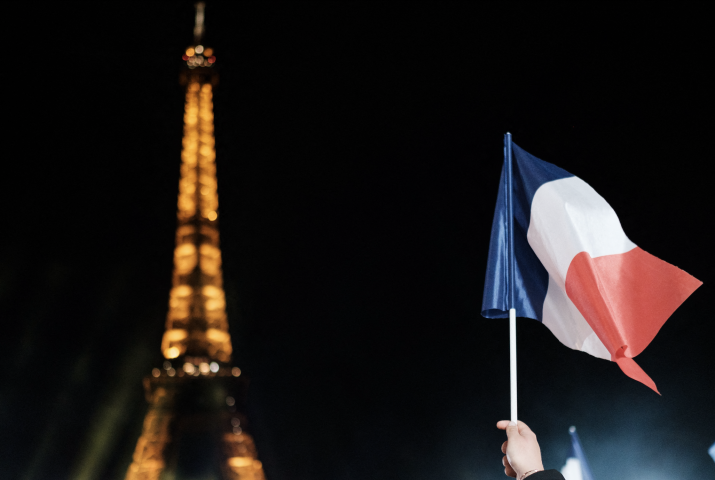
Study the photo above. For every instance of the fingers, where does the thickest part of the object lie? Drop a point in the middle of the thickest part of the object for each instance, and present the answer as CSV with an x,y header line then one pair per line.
x,y
508,471
512,430
522,427
522,445
502,424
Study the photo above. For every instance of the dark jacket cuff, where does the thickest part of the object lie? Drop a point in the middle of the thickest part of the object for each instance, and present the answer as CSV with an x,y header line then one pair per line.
x,y
546,475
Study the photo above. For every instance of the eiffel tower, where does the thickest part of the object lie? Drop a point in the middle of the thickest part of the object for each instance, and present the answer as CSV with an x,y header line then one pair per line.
x,y
194,428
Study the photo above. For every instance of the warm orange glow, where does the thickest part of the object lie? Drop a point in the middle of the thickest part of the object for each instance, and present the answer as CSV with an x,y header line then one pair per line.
x,y
190,51
210,259
217,335
172,352
197,240
243,459
173,342
211,291
208,52
240,461
148,460
185,258
196,334
174,335
181,291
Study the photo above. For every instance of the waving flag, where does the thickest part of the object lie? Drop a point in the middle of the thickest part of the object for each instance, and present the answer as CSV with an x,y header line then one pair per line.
x,y
576,467
574,268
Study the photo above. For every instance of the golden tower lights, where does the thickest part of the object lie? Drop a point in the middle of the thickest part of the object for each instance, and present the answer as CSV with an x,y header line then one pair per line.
x,y
193,424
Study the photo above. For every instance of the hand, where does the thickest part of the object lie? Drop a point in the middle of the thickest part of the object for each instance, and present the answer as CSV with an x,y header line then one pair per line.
x,y
522,452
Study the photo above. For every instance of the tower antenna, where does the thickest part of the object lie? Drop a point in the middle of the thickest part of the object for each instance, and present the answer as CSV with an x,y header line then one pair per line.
x,y
199,26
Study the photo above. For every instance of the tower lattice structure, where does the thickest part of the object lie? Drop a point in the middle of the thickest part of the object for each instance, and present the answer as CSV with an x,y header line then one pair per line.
x,y
194,425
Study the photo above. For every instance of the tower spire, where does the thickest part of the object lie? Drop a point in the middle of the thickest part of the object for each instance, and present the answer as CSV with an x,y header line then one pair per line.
x,y
199,24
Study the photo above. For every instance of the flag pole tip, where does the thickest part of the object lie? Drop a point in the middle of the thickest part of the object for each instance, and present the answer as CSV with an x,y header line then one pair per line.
x,y
572,429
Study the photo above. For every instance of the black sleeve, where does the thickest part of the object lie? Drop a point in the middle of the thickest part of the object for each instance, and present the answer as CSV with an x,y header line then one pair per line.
x,y
546,475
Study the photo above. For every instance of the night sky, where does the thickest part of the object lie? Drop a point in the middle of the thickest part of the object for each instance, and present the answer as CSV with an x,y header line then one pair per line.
x,y
359,147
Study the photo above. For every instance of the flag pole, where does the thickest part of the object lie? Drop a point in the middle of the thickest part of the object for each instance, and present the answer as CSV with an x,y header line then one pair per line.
x,y
511,274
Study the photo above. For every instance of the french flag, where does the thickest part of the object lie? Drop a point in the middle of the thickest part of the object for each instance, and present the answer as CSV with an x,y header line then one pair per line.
x,y
575,270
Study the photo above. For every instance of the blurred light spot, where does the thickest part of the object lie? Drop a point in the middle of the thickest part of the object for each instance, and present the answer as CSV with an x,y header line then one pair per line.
x,y
235,422
240,461
204,368
171,372
190,52
208,52
212,215
237,430
210,259
214,334
214,367
230,401
156,372
212,59
171,352
185,258
199,48
167,365
184,57
211,291
189,368
181,291
175,334
236,371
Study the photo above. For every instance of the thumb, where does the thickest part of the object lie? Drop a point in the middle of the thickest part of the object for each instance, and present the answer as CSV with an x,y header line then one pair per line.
x,y
512,430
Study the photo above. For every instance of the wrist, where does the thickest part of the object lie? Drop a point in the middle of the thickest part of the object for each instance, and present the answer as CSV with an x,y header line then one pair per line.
x,y
530,472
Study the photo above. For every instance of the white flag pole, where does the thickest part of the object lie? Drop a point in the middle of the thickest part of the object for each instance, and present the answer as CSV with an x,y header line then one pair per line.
x,y
512,360
511,275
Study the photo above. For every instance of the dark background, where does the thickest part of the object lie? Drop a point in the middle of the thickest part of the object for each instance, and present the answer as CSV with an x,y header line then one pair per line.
x,y
358,149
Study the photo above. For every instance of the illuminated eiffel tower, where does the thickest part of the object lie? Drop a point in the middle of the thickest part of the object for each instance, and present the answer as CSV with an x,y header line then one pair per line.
x,y
193,428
